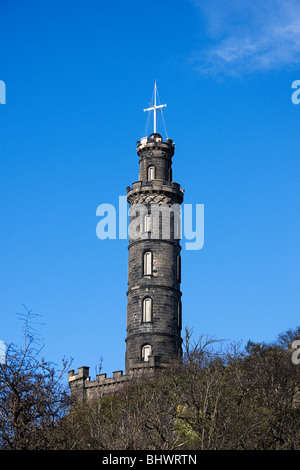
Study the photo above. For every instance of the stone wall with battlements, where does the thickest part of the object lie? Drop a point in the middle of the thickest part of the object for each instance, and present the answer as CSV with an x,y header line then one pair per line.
x,y
85,389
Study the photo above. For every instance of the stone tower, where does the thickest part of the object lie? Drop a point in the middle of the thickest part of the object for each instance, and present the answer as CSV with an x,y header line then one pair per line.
x,y
154,271
154,266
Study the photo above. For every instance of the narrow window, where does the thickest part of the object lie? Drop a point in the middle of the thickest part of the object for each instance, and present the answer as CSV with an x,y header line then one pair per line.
x,y
146,352
147,223
179,268
177,222
147,310
147,263
179,313
151,173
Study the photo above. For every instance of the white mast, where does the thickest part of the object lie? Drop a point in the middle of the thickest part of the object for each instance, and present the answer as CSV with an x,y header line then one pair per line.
x,y
155,108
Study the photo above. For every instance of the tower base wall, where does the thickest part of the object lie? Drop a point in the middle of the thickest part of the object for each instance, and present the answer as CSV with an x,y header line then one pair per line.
x,y
84,389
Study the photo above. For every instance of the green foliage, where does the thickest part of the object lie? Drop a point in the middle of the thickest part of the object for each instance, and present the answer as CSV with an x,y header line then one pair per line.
x,y
241,399
237,398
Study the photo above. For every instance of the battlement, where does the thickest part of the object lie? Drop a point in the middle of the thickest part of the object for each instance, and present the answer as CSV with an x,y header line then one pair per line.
x,y
83,374
82,387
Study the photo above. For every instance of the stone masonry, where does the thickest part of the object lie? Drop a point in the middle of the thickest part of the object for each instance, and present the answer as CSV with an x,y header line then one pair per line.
x,y
154,274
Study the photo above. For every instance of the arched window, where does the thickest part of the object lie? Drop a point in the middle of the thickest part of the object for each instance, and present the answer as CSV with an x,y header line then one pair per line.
x,y
151,173
146,352
147,263
147,310
147,223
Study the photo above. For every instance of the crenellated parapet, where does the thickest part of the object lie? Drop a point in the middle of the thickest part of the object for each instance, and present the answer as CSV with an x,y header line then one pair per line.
x,y
85,389
82,387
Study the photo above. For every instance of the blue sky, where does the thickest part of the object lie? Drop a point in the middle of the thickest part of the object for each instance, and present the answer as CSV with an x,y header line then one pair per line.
x,y
78,76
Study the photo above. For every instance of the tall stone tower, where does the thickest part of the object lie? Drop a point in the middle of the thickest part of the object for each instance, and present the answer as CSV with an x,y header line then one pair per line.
x,y
154,271
154,266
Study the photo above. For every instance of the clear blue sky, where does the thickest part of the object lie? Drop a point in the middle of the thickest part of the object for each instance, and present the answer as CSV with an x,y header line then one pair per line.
x,y
78,76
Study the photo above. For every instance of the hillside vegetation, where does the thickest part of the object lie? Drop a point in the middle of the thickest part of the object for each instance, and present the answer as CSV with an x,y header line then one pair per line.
x,y
238,398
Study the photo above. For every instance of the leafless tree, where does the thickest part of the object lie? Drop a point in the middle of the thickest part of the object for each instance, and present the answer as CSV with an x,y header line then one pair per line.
x,y
32,397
